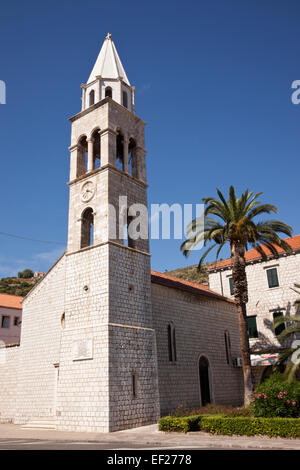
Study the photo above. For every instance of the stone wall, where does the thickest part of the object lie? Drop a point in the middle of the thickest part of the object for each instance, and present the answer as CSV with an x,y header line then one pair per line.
x,y
8,382
199,324
40,346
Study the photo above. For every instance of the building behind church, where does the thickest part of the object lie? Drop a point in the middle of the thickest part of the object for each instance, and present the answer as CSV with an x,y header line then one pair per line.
x,y
106,344
270,295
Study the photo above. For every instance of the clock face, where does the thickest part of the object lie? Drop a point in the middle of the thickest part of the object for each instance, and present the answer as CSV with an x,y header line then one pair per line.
x,y
87,191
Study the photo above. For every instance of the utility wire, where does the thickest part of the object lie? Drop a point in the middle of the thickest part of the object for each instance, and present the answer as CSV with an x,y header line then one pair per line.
x,y
30,239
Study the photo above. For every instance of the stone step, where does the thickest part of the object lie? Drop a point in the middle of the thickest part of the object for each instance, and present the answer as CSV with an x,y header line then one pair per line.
x,y
41,423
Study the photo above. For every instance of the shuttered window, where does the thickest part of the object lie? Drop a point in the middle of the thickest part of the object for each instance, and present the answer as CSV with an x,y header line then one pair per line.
x,y
252,327
272,277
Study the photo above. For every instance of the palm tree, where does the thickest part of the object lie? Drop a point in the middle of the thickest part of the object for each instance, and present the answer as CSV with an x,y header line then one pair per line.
x,y
292,354
235,226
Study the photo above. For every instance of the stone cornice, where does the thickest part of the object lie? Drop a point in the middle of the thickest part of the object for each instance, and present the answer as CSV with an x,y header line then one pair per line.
x,y
101,103
102,169
108,242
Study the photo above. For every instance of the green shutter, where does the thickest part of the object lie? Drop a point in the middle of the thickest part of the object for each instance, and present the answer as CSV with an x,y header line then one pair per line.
x,y
272,277
252,327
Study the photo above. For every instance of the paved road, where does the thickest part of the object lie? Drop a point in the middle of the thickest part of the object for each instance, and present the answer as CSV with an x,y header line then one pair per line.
x,y
143,438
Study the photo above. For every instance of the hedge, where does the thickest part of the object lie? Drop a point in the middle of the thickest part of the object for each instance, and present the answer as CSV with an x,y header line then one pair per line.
x,y
272,427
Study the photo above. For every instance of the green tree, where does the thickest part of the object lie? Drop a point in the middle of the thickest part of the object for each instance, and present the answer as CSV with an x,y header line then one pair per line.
x,y
26,274
233,223
291,356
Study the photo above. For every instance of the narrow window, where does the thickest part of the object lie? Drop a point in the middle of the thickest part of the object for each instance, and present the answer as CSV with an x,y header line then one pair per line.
x,y
131,241
120,152
108,92
5,322
252,327
87,226
16,321
231,289
227,347
133,378
272,277
91,98
280,327
125,99
172,343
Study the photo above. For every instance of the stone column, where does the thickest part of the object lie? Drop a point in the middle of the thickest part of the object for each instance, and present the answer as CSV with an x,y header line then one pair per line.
x,y
140,161
108,147
73,162
133,98
90,162
83,97
125,155
98,89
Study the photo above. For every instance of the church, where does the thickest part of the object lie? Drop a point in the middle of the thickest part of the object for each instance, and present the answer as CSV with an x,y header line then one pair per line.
x,y
106,343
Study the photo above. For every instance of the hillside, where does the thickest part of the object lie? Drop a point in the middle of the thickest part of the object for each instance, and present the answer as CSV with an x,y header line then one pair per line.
x,y
17,286
190,273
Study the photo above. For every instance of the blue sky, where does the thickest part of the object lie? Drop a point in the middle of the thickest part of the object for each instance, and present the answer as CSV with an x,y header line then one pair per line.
x,y
213,83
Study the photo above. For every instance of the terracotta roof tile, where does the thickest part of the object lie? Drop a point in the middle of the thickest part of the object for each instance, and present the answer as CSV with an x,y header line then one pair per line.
x,y
251,255
178,283
10,301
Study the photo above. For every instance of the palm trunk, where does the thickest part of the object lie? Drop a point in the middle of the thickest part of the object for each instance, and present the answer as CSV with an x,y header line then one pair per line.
x,y
241,298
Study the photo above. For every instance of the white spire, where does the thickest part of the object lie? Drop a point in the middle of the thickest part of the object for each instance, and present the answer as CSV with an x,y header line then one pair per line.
x,y
108,63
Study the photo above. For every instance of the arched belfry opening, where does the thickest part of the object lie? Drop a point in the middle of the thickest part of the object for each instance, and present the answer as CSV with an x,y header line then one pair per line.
x,y
87,228
120,151
132,157
96,149
82,156
108,92
91,98
204,377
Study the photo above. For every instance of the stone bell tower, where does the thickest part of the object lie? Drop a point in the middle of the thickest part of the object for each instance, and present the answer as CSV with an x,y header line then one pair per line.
x,y
108,360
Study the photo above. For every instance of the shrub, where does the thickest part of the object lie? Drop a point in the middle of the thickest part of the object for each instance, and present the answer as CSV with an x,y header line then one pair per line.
x,y
272,427
179,424
276,398
218,424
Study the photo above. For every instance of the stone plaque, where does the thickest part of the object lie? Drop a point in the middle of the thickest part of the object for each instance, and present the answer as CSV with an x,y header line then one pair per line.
x,y
82,349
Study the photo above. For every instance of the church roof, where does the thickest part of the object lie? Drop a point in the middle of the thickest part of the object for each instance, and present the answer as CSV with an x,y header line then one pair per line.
x,y
108,63
10,301
253,254
193,287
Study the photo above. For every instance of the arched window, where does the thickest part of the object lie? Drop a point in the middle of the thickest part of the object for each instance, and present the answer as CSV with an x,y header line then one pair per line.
x,y
120,151
96,149
91,98
132,158
204,380
87,228
227,347
172,342
125,99
82,156
108,92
